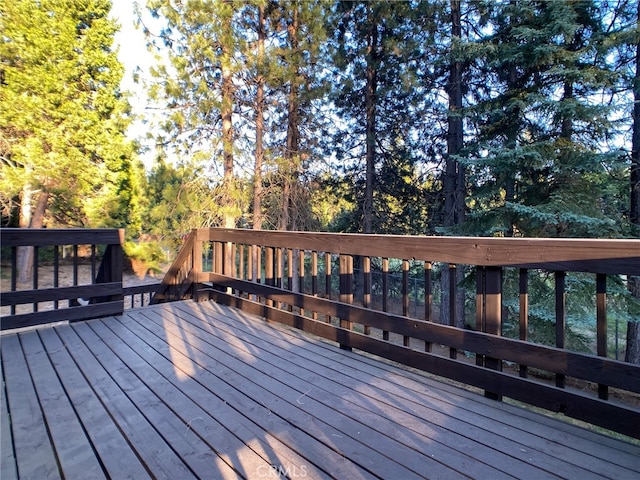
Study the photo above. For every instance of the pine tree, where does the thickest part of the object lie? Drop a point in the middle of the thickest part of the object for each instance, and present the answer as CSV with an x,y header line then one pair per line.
x,y
377,59
298,85
202,42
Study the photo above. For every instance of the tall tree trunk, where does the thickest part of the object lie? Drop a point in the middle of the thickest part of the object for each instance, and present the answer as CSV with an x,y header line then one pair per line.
x,y
512,143
292,147
633,327
370,113
259,152
227,145
292,154
454,176
30,219
566,129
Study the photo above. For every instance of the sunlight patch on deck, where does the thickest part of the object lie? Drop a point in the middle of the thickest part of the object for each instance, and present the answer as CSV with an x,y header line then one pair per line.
x,y
183,366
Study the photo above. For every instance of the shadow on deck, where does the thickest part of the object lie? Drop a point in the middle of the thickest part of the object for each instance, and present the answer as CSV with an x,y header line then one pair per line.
x,y
200,390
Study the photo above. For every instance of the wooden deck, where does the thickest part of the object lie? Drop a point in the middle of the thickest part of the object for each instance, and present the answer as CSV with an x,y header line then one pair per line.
x,y
199,390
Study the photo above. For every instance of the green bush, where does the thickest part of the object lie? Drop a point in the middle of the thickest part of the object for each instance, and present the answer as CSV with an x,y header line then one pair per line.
x,y
145,255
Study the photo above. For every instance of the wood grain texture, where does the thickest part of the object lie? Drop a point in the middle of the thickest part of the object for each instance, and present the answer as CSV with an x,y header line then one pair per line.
x,y
15,237
617,417
615,256
200,390
597,369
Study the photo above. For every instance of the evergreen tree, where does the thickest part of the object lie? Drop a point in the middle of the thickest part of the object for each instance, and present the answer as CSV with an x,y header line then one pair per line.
x,y
65,159
202,41
633,326
377,61
180,199
298,85
624,40
538,158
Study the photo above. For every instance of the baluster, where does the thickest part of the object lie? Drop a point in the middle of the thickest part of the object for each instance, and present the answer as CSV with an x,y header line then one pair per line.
x,y
480,310
218,261
56,273
428,299
268,271
290,256
560,278
327,280
255,260
14,276
228,262
346,289
93,264
314,279
301,289
36,254
405,297
72,301
385,292
366,288
233,270
524,312
601,326
197,266
241,265
453,352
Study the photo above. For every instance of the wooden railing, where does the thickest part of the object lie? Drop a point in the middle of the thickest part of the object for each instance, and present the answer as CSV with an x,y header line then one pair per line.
x,y
291,278
84,277
180,282
139,295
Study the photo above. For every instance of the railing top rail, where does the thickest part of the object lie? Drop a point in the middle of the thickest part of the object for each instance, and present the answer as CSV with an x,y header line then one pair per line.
x,y
612,256
17,237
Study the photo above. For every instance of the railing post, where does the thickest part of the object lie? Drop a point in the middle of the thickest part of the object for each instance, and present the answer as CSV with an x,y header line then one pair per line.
x,y
453,352
385,292
346,289
524,312
328,270
560,278
489,287
428,299
268,271
601,326
314,279
196,265
366,288
405,297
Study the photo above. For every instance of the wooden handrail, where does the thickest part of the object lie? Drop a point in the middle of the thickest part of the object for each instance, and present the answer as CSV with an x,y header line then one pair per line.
x,y
179,281
616,256
341,317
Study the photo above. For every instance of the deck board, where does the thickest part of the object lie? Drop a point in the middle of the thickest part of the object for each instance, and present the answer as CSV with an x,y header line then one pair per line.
x,y
199,390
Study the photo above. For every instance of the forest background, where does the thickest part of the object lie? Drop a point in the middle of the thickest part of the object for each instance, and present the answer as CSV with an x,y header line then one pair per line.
x,y
437,117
